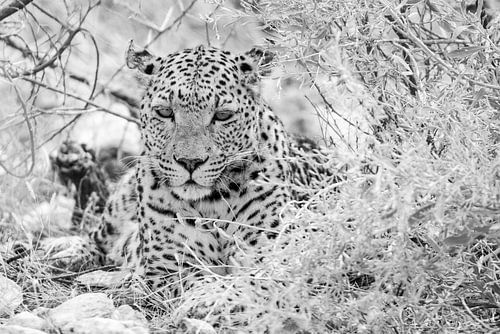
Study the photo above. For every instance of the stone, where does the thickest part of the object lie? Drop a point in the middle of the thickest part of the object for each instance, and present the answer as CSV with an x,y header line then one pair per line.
x,y
11,296
101,326
127,314
14,329
54,215
29,320
195,326
104,279
41,312
87,305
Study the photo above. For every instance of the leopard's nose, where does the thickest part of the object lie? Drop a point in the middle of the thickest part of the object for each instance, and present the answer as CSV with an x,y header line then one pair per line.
x,y
190,164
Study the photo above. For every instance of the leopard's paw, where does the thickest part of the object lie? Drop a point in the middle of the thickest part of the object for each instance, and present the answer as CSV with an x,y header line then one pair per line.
x,y
72,252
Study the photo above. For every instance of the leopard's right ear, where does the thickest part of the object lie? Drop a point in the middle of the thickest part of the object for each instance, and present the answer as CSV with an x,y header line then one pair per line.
x,y
142,60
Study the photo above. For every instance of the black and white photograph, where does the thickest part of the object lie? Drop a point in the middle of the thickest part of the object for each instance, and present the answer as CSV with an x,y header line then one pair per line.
x,y
249,166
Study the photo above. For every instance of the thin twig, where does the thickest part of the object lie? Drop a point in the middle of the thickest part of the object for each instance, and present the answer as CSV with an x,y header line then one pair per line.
x,y
473,316
167,29
60,50
26,52
56,56
101,108
451,71
332,109
31,137
425,41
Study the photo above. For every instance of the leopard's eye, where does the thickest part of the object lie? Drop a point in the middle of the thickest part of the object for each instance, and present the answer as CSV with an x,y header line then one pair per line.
x,y
223,115
163,111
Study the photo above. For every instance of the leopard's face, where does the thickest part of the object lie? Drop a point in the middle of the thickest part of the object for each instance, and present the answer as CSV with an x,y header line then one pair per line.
x,y
199,119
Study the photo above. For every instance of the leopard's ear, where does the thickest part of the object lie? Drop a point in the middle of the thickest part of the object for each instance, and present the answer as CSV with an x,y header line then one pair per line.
x,y
255,64
142,60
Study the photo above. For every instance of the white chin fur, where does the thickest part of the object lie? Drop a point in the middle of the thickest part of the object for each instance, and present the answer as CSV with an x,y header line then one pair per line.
x,y
191,192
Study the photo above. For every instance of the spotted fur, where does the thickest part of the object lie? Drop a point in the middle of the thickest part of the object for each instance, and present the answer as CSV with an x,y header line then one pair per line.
x,y
216,167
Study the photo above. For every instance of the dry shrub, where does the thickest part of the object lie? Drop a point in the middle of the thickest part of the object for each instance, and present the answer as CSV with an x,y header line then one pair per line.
x,y
409,242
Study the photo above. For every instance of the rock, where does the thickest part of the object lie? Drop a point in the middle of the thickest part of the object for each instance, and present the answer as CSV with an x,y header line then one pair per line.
x,y
102,326
14,329
104,279
29,320
87,305
195,326
54,215
127,314
41,312
11,296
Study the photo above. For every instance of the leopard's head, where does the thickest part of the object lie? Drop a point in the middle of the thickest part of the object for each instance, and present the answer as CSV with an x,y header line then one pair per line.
x,y
200,115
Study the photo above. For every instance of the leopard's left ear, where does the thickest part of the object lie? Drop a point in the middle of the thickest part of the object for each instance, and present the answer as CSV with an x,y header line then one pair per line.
x,y
142,60
255,64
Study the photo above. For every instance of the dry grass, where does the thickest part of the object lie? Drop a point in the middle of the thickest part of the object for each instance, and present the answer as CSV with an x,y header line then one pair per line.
x,y
410,91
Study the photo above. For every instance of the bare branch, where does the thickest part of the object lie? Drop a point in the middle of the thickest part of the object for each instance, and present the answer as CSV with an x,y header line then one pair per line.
x,y
99,107
443,64
131,101
31,137
59,52
173,24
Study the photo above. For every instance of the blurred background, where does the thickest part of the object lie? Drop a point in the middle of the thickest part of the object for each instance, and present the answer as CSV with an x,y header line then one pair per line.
x,y
64,78
91,69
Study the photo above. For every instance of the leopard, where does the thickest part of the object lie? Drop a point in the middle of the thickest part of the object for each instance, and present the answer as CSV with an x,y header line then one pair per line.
x,y
216,170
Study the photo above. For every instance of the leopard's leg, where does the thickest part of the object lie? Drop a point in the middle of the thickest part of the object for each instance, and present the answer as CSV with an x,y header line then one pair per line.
x,y
174,264
192,251
257,222
258,216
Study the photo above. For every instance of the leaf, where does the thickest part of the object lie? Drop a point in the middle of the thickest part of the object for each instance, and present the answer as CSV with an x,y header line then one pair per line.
x,y
433,8
30,190
495,288
458,240
401,61
465,52
420,214
479,95
458,30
